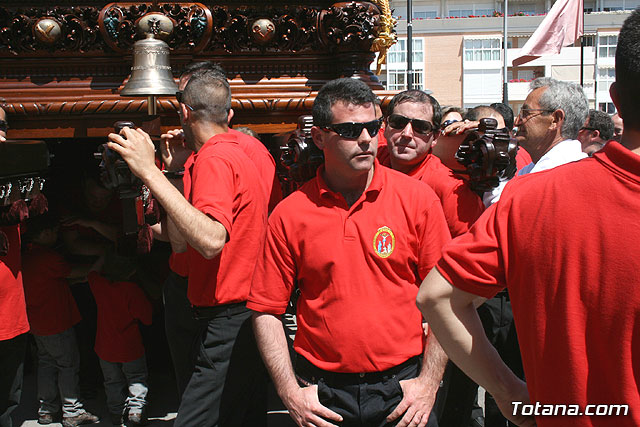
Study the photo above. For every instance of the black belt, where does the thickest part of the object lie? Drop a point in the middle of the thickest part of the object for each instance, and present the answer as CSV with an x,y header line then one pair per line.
x,y
309,371
208,313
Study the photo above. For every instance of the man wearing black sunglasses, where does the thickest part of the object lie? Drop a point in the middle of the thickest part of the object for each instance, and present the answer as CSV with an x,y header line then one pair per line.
x,y
355,240
220,222
412,128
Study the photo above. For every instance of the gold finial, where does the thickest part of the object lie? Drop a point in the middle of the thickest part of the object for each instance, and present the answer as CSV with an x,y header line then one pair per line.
x,y
385,37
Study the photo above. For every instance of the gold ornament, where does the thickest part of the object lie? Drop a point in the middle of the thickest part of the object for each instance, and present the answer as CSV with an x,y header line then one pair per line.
x,y
385,37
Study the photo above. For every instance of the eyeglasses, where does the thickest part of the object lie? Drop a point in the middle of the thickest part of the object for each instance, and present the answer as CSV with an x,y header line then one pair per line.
x,y
398,121
447,123
526,113
179,98
353,130
4,125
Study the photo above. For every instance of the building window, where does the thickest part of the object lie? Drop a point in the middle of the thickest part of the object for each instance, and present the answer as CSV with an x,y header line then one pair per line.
x,y
607,107
397,65
611,5
522,9
459,13
606,76
482,50
471,10
588,41
607,46
425,14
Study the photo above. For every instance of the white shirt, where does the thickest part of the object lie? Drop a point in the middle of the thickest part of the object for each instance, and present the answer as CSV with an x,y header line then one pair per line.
x,y
564,152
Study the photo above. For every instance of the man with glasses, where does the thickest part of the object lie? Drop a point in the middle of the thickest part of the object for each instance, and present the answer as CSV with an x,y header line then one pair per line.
x,y
548,124
412,128
356,240
596,132
577,318
220,222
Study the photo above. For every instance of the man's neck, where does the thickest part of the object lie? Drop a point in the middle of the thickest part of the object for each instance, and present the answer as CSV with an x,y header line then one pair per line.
x,y
351,187
536,155
631,140
405,168
203,132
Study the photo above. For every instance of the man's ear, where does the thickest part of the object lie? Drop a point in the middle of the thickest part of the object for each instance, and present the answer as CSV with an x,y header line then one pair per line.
x,y
558,117
434,138
615,97
185,112
318,135
230,116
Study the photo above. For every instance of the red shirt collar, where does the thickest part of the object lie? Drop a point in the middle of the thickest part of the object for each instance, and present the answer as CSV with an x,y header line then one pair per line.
x,y
375,186
617,157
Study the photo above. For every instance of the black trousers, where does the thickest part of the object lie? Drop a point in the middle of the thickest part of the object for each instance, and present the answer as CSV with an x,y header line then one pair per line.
x,y
362,401
12,352
497,319
183,331
228,386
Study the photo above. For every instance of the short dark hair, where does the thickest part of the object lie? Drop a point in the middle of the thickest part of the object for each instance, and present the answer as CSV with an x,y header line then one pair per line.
x,y
209,94
479,110
347,90
602,122
506,112
419,97
194,67
628,70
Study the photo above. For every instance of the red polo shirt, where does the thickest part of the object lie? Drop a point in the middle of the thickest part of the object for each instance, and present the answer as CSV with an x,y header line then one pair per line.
x,y
358,269
13,313
120,306
265,166
50,304
460,204
222,182
564,242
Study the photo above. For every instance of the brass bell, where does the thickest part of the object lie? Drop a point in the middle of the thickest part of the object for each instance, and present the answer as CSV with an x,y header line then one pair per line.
x,y
151,70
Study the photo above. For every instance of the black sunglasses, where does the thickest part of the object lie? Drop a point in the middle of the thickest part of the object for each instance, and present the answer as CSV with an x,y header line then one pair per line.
x,y
179,98
398,121
4,125
353,130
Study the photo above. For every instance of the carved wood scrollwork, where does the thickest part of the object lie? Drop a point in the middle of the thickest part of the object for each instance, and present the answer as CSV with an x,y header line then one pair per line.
x,y
345,26
193,25
78,30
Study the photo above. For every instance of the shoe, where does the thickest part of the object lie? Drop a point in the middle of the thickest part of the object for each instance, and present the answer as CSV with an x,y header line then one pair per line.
x,y
116,419
83,418
137,419
45,419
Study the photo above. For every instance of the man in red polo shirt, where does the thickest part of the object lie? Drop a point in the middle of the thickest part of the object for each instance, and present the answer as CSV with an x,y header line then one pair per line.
x,y
356,240
411,129
220,221
181,329
572,279
13,314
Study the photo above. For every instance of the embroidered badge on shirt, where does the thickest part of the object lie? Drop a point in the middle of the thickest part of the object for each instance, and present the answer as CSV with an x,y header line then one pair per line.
x,y
384,242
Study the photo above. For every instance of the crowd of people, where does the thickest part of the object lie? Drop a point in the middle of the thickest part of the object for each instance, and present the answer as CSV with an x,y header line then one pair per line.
x,y
531,281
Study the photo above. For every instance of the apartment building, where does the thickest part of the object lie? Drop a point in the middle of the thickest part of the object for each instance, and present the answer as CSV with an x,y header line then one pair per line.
x,y
458,54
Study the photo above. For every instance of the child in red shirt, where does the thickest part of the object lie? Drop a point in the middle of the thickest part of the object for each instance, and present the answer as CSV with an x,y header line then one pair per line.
x,y
52,313
121,305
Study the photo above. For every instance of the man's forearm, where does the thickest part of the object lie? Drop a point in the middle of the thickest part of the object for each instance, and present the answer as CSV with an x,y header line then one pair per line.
x,y
204,234
434,363
275,353
452,315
